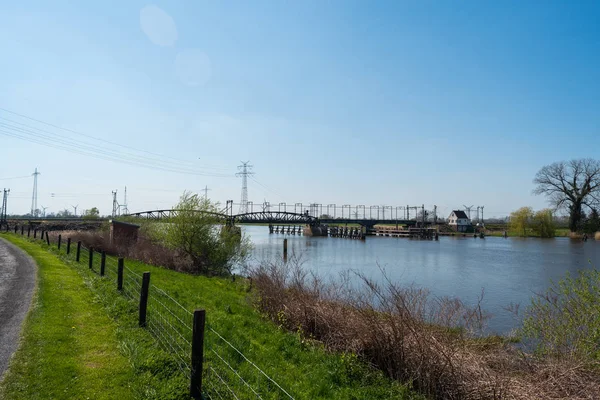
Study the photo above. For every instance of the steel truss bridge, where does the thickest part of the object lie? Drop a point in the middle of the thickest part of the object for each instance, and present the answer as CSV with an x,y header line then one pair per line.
x,y
273,217
302,214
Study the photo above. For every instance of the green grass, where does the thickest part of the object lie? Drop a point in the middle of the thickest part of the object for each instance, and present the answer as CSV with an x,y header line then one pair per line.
x,y
300,366
303,367
69,348
81,342
560,232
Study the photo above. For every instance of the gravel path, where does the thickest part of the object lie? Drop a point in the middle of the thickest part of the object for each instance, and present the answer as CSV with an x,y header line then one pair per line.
x,y
17,284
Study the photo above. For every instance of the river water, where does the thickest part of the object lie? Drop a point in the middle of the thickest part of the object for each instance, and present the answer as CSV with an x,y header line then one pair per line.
x,y
509,270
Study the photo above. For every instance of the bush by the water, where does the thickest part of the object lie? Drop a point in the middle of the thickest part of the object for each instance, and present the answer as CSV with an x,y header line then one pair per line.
x,y
565,320
194,241
430,342
197,233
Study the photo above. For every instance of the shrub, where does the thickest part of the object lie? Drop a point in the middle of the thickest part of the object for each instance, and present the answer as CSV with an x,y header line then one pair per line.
x,y
565,320
543,223
197,231
428,342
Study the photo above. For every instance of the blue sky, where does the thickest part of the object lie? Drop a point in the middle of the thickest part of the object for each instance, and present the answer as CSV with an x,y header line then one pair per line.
x,y
345,102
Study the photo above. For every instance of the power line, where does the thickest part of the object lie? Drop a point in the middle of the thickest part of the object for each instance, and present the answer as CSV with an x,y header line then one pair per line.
x,y
42,134
108,157
15,177
88,149
265,187
94,138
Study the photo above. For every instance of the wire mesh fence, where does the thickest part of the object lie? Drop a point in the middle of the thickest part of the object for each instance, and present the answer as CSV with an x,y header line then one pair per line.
x,y
171,324
226,373
230,374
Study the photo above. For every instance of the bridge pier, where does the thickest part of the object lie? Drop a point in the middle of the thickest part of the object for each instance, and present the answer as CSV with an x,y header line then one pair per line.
x,y
315,230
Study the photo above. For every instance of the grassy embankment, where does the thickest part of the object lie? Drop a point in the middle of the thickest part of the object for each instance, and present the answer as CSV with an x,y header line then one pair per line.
x,y
70,346
301,366
498,230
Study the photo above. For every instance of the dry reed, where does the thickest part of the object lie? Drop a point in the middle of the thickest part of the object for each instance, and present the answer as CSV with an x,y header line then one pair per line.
x,y
435,344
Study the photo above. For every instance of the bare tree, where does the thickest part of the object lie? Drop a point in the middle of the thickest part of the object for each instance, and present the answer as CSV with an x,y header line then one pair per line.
x,y
572,185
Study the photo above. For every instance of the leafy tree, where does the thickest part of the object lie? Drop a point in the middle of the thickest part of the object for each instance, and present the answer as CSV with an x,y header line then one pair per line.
x,y
64,213
198,232
572,185
592,224
92,213
543,223
520,220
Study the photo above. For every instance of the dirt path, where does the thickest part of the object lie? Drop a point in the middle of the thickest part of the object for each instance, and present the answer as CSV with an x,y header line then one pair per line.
x,y
17,284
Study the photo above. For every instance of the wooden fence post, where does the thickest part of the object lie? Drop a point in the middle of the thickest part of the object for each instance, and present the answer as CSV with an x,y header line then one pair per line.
x,y
197,354
91,257
16,227
59,240
47,238
102,262
35,233
28,231
22,229
68,245
78,250
285,249
42,235
144,298
120,275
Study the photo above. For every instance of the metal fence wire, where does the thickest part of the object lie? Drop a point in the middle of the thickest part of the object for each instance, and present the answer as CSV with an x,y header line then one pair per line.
x,y
230,374
170,323
227,372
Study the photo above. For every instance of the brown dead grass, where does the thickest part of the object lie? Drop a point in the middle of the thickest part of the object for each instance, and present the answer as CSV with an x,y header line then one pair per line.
x,y
431,343
143,249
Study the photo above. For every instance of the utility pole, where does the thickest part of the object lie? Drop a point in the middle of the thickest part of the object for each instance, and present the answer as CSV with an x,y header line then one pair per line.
x,y
115,204
34,205
468,210
75,208
124,206
245,172
482,223
206,189
435,215
3,212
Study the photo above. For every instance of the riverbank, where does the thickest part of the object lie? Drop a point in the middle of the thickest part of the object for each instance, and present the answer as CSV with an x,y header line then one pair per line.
x,y
300,365
409,336
559,232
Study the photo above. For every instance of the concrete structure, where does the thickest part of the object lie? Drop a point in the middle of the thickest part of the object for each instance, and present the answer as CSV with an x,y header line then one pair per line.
x,y
123,232
459,221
